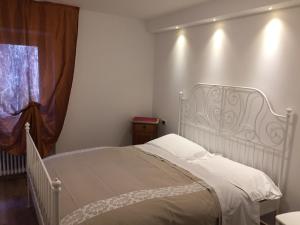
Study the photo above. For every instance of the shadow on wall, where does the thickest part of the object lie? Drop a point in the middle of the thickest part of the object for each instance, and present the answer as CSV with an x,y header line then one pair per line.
x,y
126,138
162,129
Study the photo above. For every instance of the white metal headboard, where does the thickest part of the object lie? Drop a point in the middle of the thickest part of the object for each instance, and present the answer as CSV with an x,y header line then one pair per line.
x,y
237,122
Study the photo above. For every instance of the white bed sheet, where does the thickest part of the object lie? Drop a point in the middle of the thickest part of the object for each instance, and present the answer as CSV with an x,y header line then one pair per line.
x,y
254,182
237,208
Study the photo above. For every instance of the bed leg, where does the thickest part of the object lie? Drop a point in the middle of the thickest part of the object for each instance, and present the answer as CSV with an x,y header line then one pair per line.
x,y
56,189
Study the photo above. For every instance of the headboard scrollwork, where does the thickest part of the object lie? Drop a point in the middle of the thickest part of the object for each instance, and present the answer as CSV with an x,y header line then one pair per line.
x,y
237,122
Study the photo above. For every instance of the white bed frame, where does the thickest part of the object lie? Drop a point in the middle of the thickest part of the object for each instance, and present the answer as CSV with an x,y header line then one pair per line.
x,y
44,191
238,123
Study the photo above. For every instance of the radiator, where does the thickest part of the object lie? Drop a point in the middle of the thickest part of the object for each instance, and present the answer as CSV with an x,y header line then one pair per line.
x,y
12,164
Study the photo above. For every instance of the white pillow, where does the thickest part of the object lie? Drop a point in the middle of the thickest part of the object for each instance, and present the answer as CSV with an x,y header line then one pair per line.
x,y
255,183
180,147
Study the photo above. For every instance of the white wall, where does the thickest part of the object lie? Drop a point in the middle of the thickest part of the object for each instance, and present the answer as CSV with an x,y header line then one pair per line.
x,y
261,51
113,81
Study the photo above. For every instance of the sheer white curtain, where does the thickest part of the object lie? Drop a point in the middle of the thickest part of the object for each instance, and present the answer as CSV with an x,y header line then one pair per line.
x,y
19,78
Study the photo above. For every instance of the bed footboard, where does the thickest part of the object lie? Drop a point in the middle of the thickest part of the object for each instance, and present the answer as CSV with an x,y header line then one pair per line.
x,y
43,190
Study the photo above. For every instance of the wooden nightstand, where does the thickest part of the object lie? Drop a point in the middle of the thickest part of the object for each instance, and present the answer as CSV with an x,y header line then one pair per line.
x,y
144,129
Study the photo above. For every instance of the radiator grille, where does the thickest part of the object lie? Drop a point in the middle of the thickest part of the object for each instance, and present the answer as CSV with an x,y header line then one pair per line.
x,y
12,164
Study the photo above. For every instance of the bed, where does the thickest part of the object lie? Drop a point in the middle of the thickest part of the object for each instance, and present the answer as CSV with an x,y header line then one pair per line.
x,y
225,166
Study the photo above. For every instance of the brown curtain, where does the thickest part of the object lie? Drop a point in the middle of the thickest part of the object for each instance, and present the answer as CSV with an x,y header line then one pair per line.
x,y
37,56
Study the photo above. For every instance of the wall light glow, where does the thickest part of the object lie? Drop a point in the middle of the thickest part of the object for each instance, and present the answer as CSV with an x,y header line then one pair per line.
x,y
215,52
218,38
180,53
181,41
272,36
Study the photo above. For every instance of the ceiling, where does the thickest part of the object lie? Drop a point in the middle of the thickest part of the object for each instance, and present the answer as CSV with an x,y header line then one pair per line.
x,y
142,9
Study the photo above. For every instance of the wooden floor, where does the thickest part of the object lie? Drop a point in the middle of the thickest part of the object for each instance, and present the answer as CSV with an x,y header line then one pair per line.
x,y
13,202
268,219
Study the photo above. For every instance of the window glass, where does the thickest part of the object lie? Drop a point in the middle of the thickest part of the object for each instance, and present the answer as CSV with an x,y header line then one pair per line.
x,y
19,77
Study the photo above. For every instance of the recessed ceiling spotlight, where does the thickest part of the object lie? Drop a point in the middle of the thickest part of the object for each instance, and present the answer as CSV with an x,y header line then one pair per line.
x,y
214,19
177,27
270,8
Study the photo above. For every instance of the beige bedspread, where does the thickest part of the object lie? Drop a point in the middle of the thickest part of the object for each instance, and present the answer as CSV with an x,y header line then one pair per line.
x,y
126,186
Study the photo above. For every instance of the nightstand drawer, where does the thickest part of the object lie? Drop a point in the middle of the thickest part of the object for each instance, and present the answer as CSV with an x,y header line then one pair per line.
x,y
144,128
142,138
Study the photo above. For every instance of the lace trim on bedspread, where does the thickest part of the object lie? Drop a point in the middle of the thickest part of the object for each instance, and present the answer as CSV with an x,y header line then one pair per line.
x,y
102,206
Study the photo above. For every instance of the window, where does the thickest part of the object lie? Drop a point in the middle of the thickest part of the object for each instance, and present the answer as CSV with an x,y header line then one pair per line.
x,y
19,77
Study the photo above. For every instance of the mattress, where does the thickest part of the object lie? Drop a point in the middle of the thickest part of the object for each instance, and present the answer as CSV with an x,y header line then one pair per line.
x,y
126,185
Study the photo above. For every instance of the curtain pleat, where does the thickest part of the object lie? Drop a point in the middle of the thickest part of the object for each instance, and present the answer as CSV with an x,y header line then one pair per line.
x,y
50,29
